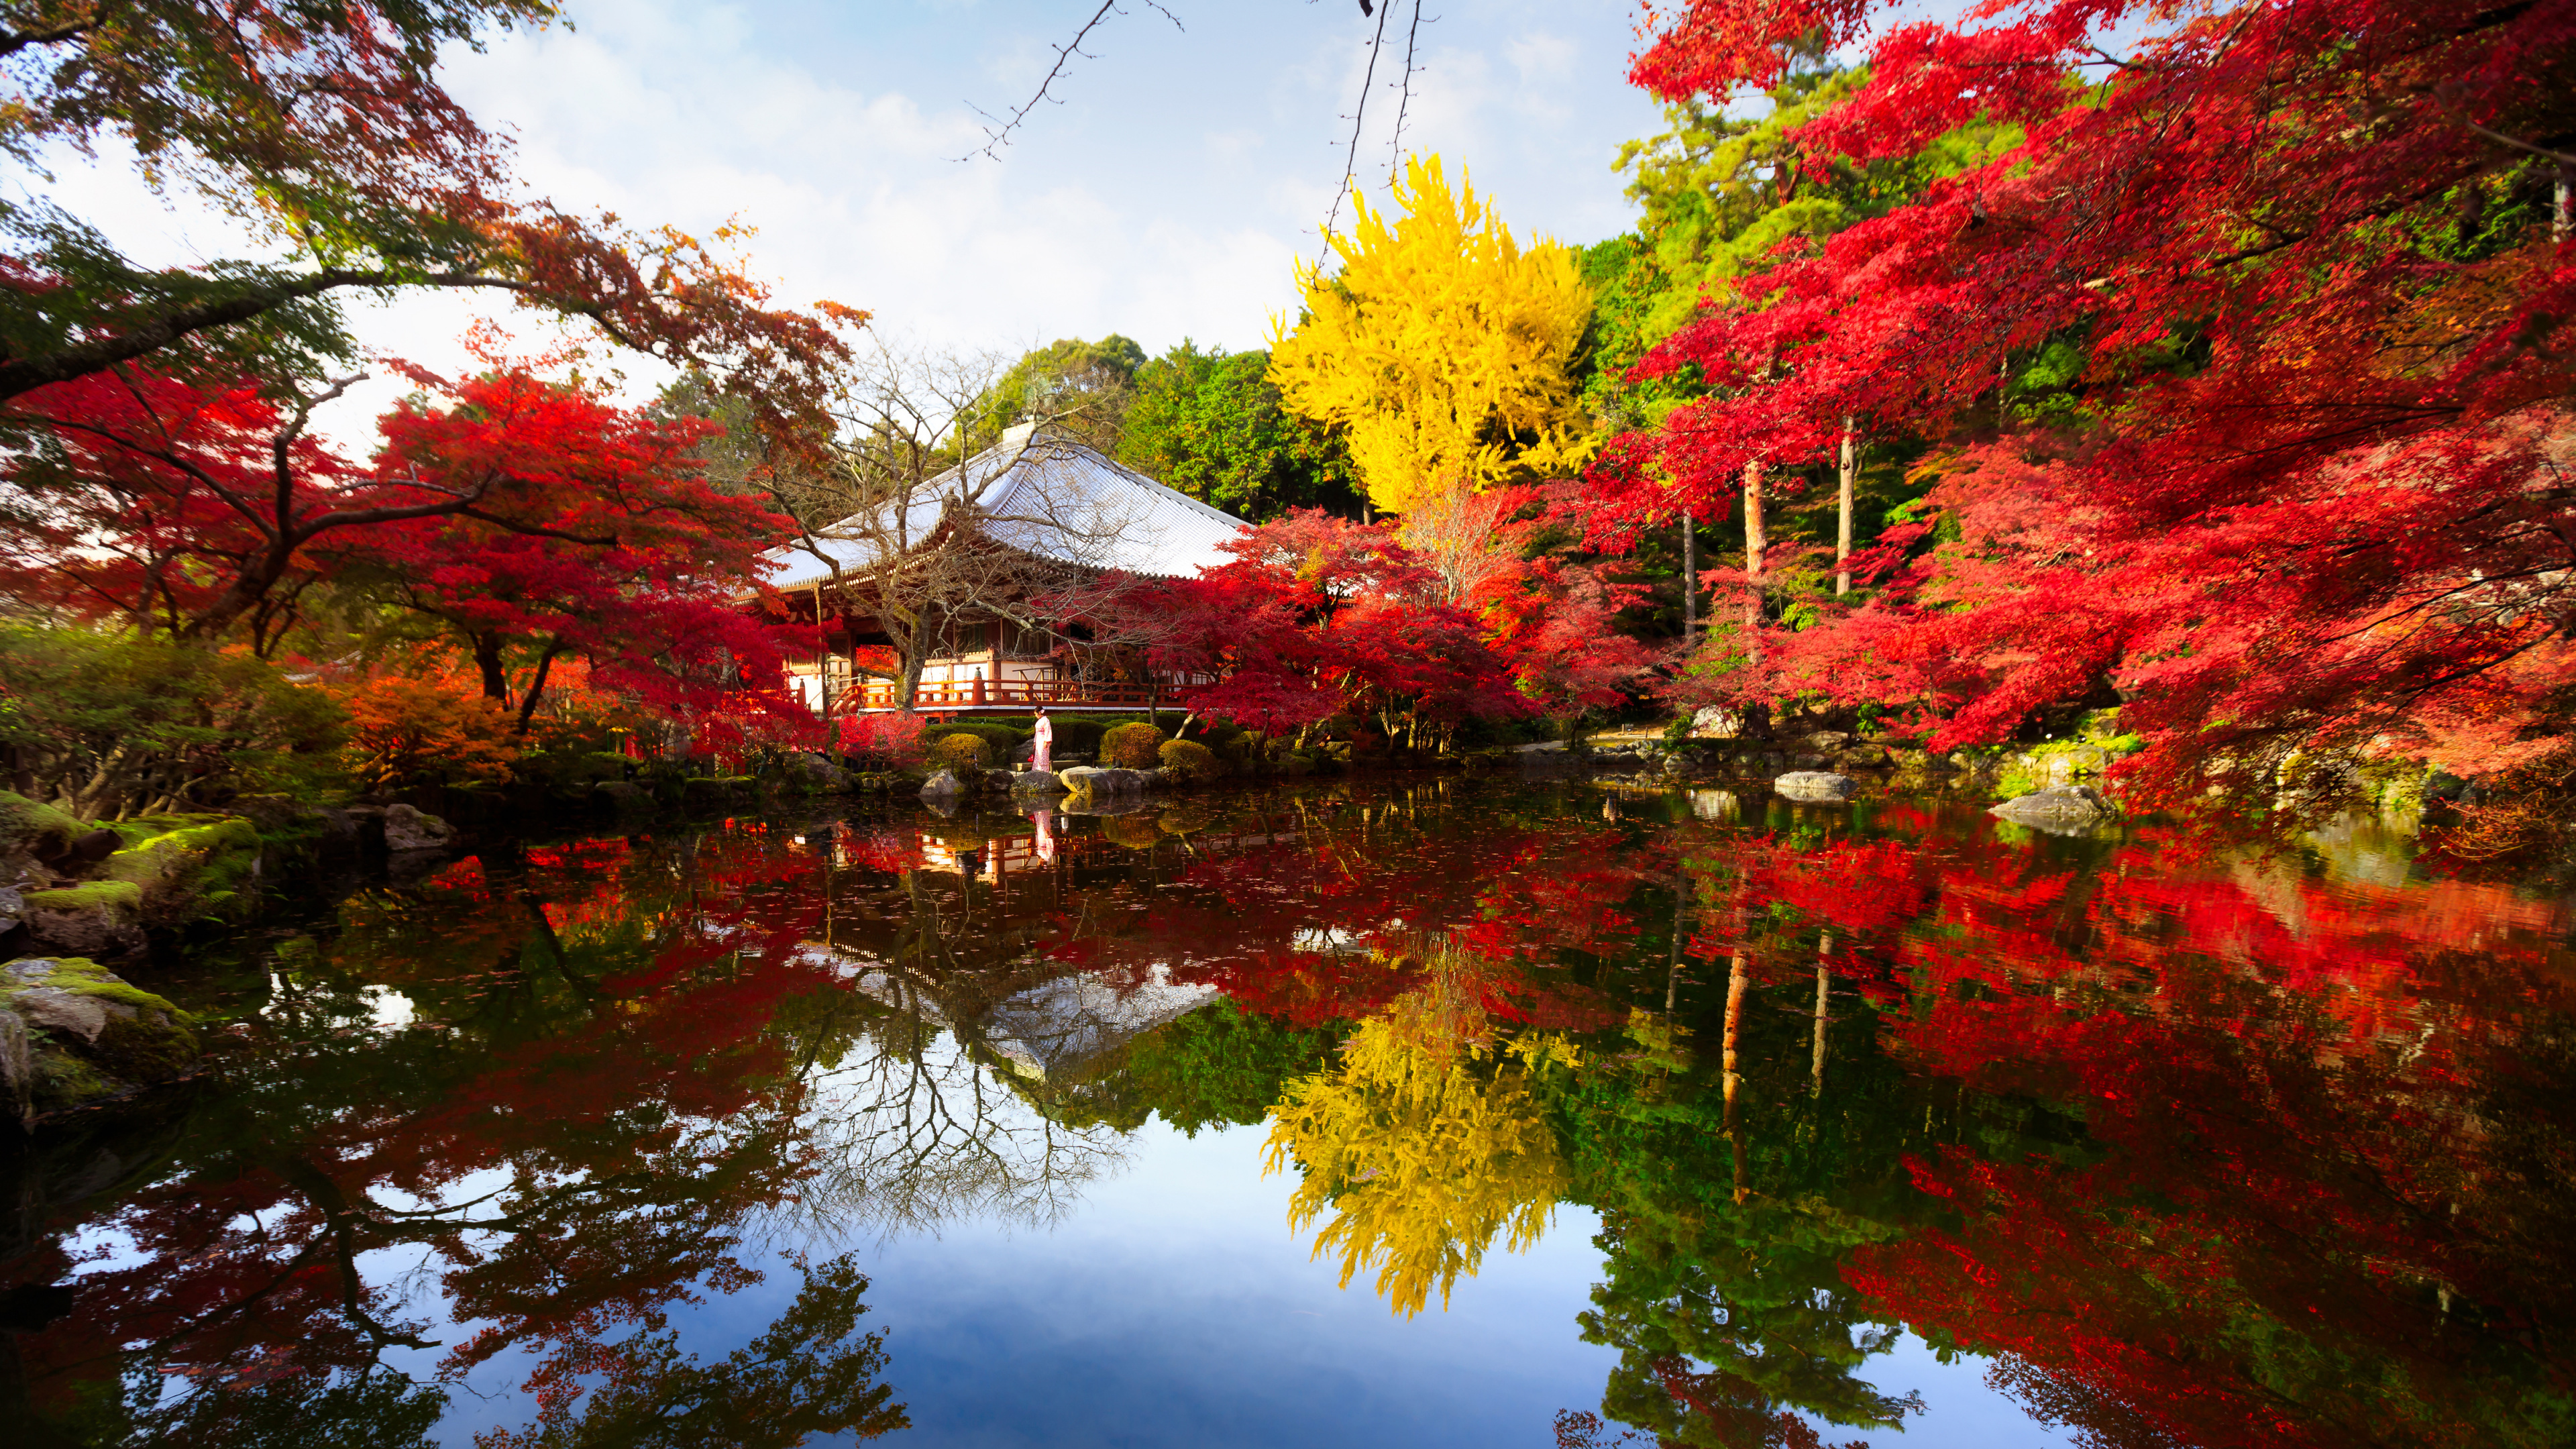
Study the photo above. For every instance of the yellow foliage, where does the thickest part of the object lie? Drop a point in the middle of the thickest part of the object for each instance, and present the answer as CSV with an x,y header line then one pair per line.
x,y
1441,347
1425,1147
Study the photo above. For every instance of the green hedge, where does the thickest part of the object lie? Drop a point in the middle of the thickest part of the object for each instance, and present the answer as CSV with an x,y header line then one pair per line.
x,y
1078,736
1000,740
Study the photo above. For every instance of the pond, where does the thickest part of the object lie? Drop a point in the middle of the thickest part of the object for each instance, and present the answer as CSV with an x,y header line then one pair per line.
x,y
1412,1112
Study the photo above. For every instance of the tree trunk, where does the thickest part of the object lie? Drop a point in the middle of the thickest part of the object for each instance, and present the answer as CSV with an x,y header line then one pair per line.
x,y
1690,576
907,685
1824,985
1756,544
1843,521
487,659
537,685
1736,981
823,670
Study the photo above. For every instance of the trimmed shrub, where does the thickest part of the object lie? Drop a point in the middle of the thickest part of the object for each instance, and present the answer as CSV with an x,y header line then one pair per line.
x,y
1132,747
962,753
1191,760
1078,737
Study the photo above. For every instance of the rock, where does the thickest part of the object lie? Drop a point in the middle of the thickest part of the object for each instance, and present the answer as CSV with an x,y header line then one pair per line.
x,y
997,782
1089,780
712,792
409,829
58,1010
1716,722
94,847
94,918
1821,785
1037,782
30,831
821,773
2057,807
94,1035
17,1069
1823,742
622,795
12,906
944,786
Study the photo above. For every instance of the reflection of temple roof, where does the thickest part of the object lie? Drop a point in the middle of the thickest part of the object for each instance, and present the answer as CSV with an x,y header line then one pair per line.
x,y
1046,1030
1051,1029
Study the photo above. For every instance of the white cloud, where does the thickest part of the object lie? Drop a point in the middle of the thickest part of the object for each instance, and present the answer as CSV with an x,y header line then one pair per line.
x,y
1167,197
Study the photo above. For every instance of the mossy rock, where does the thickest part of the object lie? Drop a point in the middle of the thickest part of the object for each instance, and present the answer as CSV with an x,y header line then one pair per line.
x,y
33,831
197,866
707,791
93,918
73,1032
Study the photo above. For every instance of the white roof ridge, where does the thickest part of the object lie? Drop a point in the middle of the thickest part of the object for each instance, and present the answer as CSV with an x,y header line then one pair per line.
x,y
1185,500
1187,536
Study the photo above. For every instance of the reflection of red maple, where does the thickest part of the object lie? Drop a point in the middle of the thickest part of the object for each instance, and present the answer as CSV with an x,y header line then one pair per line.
x,y
622,1122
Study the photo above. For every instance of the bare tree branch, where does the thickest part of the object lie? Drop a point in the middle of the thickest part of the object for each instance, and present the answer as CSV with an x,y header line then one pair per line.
x,y
998,134
1359,118
1404,100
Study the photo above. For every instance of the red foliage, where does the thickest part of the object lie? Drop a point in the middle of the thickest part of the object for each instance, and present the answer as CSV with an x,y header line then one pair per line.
x,y
2298,261
1318,615
521,511
619,552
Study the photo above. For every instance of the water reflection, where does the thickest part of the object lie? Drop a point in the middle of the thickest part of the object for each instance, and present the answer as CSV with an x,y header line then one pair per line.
x,y
2187,1148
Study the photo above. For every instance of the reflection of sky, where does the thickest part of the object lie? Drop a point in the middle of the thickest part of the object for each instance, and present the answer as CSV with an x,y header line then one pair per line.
x,y
1174,1307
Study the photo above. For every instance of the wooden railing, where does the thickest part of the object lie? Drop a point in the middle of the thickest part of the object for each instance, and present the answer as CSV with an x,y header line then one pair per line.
x,y
1006,694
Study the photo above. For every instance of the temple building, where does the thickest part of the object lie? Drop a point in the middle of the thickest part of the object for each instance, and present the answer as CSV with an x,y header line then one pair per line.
x,y
969,554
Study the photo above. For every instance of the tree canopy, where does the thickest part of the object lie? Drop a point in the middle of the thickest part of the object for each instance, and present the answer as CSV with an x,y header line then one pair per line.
x,y
1442,348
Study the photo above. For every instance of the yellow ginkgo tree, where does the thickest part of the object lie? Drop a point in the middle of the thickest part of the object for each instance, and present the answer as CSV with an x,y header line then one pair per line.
x,y
1424,1143
1442,347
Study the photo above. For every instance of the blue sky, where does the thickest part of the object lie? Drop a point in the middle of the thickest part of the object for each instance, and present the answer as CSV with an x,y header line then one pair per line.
x,y
1166,197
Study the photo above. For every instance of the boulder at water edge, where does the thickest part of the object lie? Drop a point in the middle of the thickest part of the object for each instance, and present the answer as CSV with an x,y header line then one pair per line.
x,y
92,918
1037,782
2059,807
1088,781
943,788
73,1032
408,829
1822,785
1716,722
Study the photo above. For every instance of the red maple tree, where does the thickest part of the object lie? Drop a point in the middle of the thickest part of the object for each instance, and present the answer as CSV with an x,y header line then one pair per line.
x,y
2296,271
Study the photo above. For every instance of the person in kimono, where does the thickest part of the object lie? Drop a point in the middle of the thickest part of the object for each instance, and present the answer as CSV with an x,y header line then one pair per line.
x,y
1044,758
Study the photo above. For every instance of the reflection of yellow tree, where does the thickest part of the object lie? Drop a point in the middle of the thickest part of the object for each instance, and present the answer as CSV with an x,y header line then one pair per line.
x,y
1425,1142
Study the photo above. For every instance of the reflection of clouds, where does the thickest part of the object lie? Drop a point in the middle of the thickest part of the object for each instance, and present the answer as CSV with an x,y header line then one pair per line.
x,y
918,1129
1327,941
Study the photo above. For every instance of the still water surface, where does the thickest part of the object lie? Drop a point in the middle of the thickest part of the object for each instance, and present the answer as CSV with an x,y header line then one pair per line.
x,y
1419,1114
